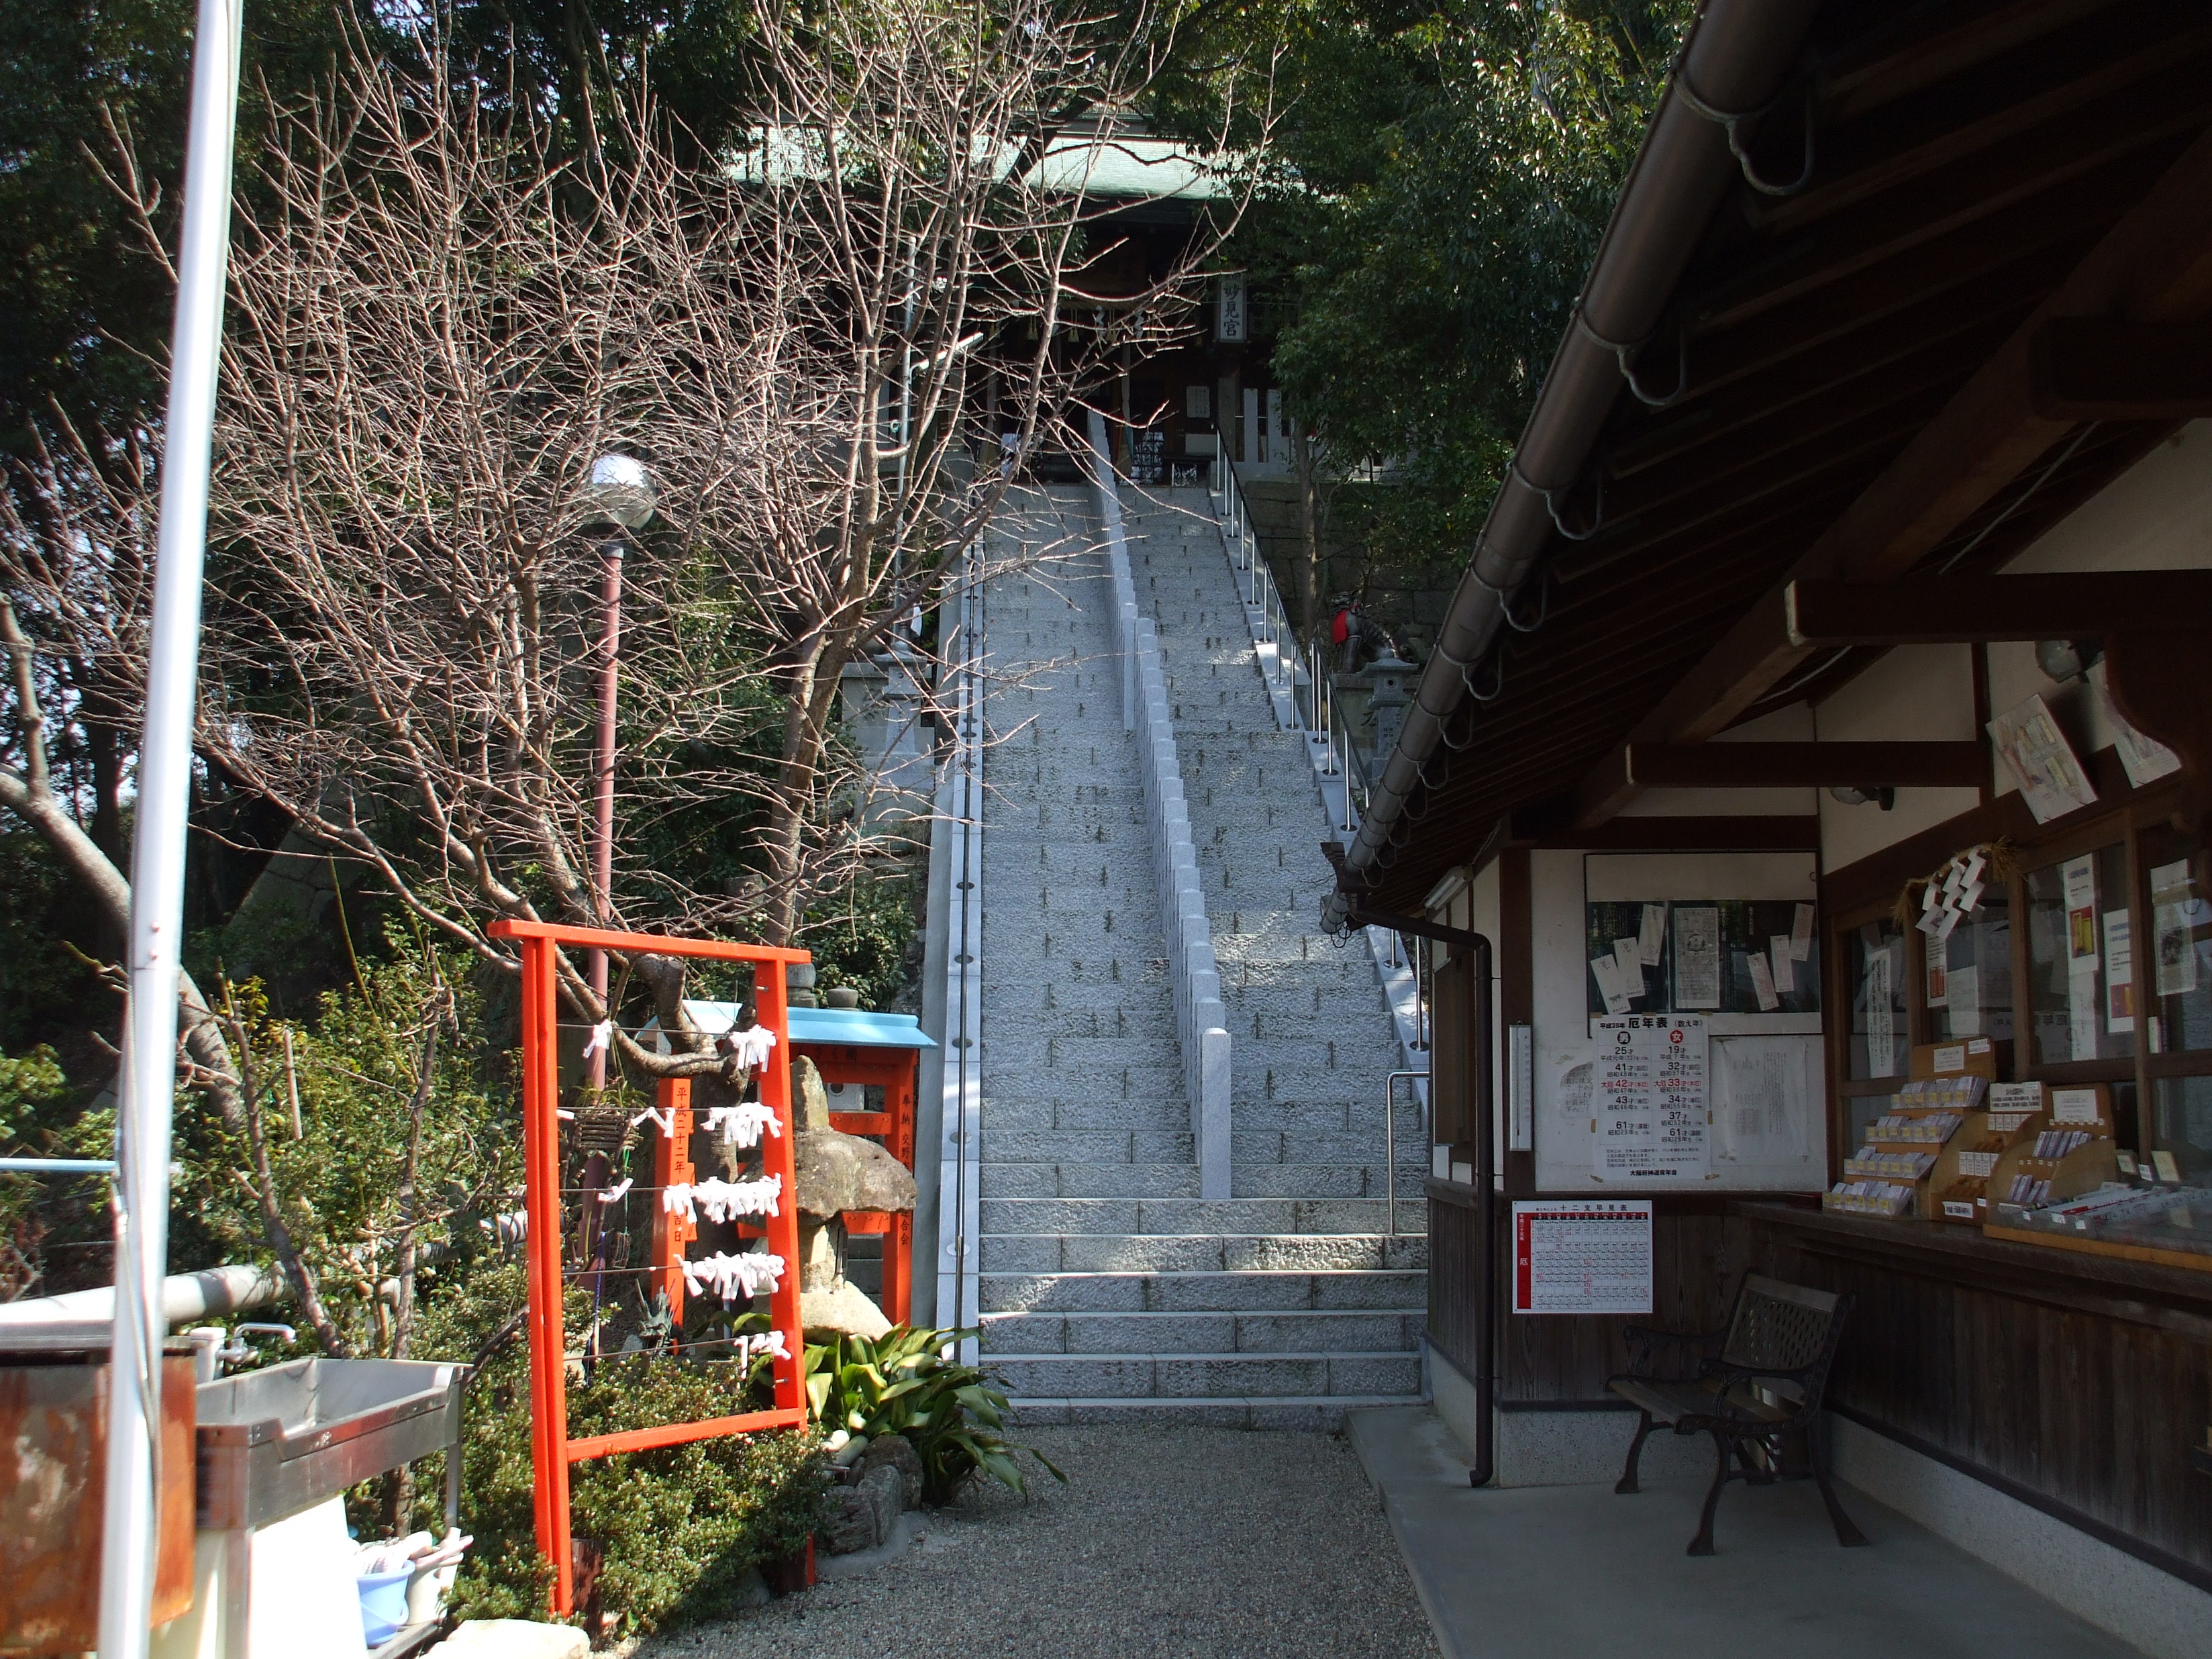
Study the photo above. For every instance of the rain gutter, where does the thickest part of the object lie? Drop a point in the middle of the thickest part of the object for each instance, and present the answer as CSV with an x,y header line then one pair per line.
x,y
1739,57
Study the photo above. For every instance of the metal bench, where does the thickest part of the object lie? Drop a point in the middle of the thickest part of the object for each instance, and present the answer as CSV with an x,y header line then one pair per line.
x,y
1756,1389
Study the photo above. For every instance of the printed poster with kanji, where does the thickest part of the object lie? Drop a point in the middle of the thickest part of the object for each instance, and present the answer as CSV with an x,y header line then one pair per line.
x,y
1652,1120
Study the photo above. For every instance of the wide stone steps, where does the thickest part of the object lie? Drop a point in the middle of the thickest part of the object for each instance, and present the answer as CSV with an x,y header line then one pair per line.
x,y
1203,1375
1203,1253
1181,1217
1400,1291
1003,1179
1110,1290
1354,1331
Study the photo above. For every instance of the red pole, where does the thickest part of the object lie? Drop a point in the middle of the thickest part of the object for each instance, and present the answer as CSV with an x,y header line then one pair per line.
x,y
603,843
671,1166
549,1394
770,1010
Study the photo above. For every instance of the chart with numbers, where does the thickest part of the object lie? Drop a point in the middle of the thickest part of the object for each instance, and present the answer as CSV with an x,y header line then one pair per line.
x,y
1653,1123
1581,1255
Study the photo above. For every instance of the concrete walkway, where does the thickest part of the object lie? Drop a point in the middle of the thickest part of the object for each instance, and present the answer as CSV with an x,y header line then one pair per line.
x,y
1166,1543
1567,1572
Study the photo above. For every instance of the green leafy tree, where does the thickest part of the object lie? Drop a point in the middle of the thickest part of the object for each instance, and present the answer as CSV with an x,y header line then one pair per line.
x,y
1438,182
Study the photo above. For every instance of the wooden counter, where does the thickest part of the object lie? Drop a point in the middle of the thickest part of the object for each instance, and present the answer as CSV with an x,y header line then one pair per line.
x,y
2079,1384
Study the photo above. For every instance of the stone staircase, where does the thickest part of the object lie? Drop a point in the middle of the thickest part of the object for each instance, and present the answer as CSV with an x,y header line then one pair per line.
x,y
1109,1287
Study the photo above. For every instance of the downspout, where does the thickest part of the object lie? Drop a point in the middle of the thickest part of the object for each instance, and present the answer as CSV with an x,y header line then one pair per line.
x,y
1481,1065
1738,58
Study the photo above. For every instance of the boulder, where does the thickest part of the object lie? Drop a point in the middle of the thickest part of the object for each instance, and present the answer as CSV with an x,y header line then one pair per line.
x,y
895,1451
844,1307
864,1513
836,1171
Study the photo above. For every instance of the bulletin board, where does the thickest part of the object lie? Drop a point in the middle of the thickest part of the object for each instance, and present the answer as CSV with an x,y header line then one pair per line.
x,y
1763,1083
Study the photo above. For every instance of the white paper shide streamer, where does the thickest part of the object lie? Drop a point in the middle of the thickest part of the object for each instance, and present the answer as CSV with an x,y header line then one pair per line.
x,y
722,1200
734,1278
741,1124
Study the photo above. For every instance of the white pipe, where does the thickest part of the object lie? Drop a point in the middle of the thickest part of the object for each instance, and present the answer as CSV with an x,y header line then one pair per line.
x,y
157,861
213,1292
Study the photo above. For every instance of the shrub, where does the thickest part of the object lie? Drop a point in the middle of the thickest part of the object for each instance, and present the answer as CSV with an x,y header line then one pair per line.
x,y
682,1526
902,1384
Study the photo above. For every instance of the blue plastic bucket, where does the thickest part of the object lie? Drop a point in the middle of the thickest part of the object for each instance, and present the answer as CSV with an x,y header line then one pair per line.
x,y
383,1604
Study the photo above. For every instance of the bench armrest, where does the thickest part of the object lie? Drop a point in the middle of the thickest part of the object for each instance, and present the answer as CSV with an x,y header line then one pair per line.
x,y
1643,1343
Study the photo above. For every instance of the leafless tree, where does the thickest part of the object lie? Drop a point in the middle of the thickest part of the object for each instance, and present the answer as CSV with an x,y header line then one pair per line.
x,y
436,325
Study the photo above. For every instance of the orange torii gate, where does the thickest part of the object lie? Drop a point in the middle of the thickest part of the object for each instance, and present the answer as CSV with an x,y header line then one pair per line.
x,y
551,1449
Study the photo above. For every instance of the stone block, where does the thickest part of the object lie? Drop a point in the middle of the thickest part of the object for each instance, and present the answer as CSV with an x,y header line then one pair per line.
x,y
1025,1332
1063,1292
1241,1376
514,1638
1141,1253
1020,1252
1150,1332
1375,1374
1319,1332
1225,1292
895,1452
1070,1377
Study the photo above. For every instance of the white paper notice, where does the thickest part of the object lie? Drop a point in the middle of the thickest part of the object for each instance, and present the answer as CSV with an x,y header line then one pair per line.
x,y
1652,1120
2119,975
1574,1086
2081,879
1652,938
1762,981
2082,1016
1965,1003
2074,1106
2144,759
2042,763
1800,933
1628,953
1697,956
1590,1255
1763,1090
1881,1019
1607,971
2170,901
1783,961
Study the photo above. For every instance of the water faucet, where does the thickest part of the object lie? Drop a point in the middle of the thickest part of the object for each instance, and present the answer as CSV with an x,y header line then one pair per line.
x,y
238,1349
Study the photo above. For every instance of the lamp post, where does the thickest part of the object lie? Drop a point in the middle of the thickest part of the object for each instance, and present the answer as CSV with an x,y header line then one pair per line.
x,y
618,492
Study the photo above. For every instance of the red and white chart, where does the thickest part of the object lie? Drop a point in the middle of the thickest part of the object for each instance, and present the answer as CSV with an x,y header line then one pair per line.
x,y
1581,1255
1653,1122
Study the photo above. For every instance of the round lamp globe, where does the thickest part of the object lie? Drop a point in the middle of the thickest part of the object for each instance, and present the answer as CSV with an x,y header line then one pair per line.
x,y
619,491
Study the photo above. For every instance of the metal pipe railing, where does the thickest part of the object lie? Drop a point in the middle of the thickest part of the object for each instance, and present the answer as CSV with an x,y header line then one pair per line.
x,y
1390,1138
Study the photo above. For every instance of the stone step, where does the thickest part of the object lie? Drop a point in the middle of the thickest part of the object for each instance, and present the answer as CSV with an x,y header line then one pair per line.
x,y
1352,1331
1018,1045
1146,1375
1013,1179
1396,1290
1183,1216
1208,1252
1321,1415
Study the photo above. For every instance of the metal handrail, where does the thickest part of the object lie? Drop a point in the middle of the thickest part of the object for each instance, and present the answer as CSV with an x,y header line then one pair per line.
x,y
1390,1140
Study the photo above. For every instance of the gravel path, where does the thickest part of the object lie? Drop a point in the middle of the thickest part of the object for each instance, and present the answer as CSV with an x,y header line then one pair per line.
x,y
1211,1543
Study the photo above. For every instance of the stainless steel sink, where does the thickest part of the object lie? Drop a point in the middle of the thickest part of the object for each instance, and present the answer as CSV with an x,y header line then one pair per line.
x,y
274,1442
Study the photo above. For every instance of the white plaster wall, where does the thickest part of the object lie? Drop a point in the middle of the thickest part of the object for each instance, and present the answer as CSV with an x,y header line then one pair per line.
x,y
1923,693
2155,516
